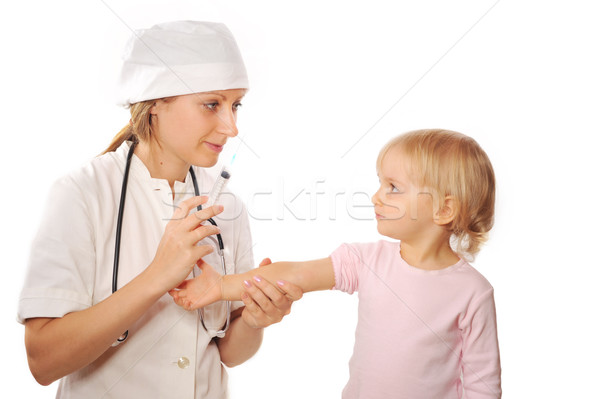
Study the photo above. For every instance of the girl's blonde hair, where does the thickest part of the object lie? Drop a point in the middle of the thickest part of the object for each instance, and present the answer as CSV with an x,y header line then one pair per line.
x,y
449,163
139,127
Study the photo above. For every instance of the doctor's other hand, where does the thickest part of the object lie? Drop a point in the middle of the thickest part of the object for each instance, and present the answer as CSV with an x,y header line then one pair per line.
x,y
177,251
266,303
200,291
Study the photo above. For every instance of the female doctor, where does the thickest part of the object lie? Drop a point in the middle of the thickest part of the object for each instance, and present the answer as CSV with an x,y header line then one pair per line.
x,y
183,82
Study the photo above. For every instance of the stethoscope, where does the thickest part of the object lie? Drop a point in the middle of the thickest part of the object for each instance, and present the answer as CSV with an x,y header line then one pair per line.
x,y
219,333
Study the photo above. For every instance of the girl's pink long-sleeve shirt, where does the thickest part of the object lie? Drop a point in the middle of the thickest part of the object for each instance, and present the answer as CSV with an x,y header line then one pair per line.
x,y
418,330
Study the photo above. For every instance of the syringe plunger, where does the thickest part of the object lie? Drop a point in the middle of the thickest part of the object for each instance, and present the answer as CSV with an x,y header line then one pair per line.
x,y
218,187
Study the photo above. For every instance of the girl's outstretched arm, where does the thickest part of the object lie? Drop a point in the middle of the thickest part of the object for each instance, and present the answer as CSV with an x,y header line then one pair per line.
x,y
210,286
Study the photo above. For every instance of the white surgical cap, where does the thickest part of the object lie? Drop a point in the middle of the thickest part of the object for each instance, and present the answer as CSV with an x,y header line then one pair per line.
x,y
178,58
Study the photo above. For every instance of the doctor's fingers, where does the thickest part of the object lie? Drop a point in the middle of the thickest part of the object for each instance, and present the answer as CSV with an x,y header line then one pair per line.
x,y
200,251
200,233
253,315
291,291
262,299
197,218
278,298
184,207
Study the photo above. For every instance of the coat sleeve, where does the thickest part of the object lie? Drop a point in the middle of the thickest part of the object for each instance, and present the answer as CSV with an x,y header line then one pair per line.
x,y
61,267
480,354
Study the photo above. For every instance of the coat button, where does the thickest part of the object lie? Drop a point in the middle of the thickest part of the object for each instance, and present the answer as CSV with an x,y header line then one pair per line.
x,y
183,362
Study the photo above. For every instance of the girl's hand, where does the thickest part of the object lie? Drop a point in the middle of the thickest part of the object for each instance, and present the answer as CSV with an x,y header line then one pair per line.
x,y
177,251
265,303
200,291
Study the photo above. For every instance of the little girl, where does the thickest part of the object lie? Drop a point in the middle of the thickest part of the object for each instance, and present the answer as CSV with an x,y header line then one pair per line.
x,y
427,322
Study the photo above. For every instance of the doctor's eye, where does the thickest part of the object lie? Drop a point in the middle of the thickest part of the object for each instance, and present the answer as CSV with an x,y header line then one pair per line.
x,y
237,106
211,106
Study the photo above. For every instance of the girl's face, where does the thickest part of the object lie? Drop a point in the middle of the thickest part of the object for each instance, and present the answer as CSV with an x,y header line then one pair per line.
x,y
192,129
403,210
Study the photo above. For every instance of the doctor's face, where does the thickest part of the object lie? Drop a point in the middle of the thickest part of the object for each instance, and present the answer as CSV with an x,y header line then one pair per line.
x,y
194,128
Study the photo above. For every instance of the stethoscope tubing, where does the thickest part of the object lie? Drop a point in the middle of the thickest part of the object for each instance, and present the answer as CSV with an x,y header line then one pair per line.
x,y
120,218
220,333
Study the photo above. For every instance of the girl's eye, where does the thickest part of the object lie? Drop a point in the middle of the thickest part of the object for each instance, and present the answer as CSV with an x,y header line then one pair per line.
x,y
211,106
237,106
394,190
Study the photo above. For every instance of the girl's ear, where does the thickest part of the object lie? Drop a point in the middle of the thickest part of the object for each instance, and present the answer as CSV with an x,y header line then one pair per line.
x,y
447,211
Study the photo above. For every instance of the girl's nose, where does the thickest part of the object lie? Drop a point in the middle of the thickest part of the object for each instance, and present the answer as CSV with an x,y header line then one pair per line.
x,y
375,198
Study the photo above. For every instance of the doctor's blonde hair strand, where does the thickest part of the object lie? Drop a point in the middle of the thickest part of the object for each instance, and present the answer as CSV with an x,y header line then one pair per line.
x,y
139,127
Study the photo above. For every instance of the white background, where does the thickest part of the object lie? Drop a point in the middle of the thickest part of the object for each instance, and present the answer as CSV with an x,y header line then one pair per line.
x,y
523,80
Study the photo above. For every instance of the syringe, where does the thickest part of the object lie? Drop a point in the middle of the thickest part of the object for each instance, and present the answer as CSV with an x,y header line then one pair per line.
x,y
218,187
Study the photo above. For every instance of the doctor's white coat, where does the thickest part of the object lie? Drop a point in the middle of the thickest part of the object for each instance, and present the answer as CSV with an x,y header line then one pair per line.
x,y
168,354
